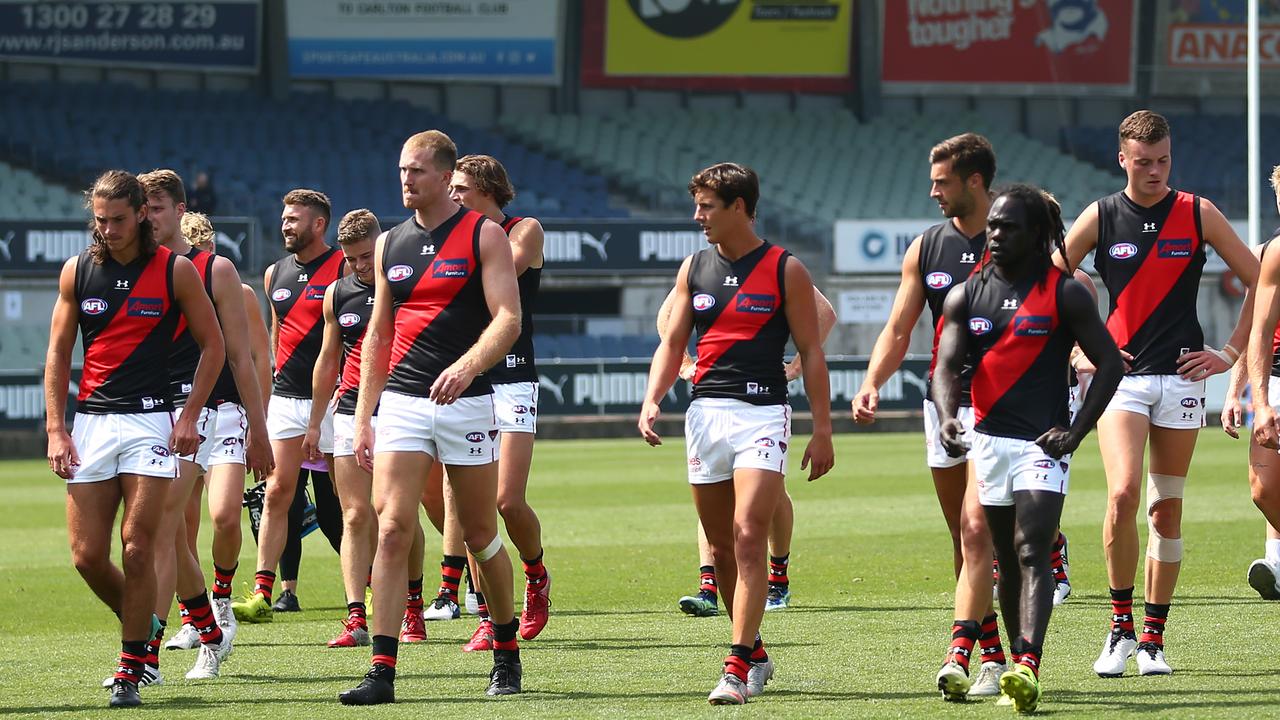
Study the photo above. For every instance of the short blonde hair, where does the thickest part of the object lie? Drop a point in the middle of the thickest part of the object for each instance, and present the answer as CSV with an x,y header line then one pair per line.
x,y
358,225
198,230
444,154
1275,179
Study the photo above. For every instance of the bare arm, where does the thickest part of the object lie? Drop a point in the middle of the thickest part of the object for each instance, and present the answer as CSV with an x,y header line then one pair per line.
x,y
502,295
259,342
228,301
1081,239
664,316
802,318
1219,234
526,245
202,321
891,347
952,348
666,359
57,372
375,354
826,321
1232,416
275,321
1260,354
1079,311
323,376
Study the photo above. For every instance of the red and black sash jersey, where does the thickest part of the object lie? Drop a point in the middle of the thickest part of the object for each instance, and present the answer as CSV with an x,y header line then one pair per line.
x,y
947,258
1019,351
1150,260
186,352
438,298
1275,334
352,306
128,315
742,329
518,365
297,295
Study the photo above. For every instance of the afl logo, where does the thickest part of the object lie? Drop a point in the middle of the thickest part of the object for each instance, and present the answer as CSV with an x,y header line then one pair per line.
x,y
399,272
1046,464
93,306
1123,251
703,301
475,437
979,326
937,280
348,319
1190,403
160,450
281,295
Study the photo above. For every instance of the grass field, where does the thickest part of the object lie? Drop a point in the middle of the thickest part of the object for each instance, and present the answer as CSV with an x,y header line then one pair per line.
x,y
872,588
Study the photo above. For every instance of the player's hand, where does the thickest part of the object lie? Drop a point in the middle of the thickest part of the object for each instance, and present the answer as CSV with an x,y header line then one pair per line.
x,y
819,456
311,444
1232,417
951,434
1084,366
363,445
258,455
865,404
1058,441
793,369
1265,431
687,369
451,383
648,418
63,458
184,440
1201,364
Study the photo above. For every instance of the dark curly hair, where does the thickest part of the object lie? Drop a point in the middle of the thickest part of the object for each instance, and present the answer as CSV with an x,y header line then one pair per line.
x,y
119,185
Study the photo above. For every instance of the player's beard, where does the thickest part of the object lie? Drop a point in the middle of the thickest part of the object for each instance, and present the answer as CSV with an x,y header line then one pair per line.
x,y
298,241
961,206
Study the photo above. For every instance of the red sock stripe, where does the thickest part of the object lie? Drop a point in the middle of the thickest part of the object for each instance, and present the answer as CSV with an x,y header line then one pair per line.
x,y
222,581
777,579
202,620
708,582
757,653
736,666
536,571
1152,630
265,584
1030,660
506,645
385,660
450,579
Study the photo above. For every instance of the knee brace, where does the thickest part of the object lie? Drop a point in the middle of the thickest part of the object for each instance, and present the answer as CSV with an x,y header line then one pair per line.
x,y
487,551
1162,487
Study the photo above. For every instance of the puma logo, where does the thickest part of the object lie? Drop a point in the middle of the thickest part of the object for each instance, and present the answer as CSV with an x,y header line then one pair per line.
x,y
4,246
598,245
553,387
234,247
916,381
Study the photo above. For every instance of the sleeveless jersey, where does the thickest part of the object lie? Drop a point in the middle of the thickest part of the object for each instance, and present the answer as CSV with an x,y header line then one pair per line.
x,y
947,258
186,352
518,365
1019,351
297,295
224,390
438,298
742,329
1275,335
128,315
352,306
1150,260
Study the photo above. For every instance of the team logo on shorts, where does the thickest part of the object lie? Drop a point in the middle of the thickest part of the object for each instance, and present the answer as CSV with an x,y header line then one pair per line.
x,y
756,303
695,463
160,450
348,319
399,272
1046,464
979,326
93,306
493,434
449,268
475,437
519,409
764,442
145,307
1062,465
703,301
1123,251
1032,325
282,294
1178,248
1190,403
937,280
231,441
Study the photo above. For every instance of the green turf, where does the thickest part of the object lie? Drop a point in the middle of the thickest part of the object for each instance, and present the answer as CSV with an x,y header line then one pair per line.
x,y
872,588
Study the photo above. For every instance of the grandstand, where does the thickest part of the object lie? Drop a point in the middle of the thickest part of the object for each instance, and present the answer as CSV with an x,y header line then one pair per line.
x,y
29,196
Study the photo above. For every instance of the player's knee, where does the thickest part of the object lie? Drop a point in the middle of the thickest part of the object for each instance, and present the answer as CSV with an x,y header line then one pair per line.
x,y
394,535
279,497
750,540
975,540
1164,517
1266,496
90,559
484,550
358,518
1122,502
138,554
512,505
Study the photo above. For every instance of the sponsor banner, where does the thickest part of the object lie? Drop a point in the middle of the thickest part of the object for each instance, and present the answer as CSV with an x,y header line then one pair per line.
x,y
22,399
40,247
1213,35
208,36
875,246
1013,43
645,246
759,45
617,387
864,306
517,40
